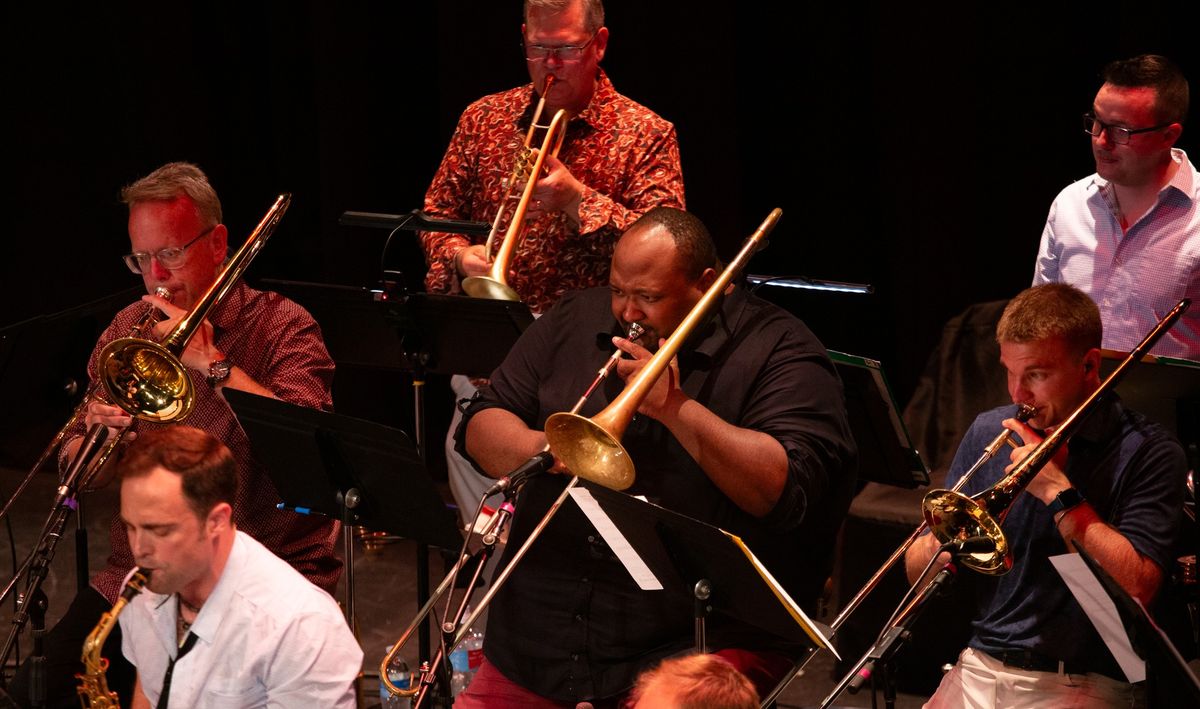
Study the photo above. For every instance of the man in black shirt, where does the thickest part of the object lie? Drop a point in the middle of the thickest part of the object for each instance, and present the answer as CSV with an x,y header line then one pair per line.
x,y
747,432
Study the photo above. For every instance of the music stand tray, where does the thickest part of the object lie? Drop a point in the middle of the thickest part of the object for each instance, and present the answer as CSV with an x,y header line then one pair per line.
x,y
885,450
315,457
680,551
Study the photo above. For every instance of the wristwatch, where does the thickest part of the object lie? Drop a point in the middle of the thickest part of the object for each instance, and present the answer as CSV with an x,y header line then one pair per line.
x,y
1067,499
218,372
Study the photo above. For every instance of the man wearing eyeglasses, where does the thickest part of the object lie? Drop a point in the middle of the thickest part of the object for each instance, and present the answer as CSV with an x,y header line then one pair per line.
x,y
252,340
618,160
1129,235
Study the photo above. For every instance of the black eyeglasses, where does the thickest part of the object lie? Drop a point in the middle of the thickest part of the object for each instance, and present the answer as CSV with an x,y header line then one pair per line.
x,y
170,257
565,53
1118,134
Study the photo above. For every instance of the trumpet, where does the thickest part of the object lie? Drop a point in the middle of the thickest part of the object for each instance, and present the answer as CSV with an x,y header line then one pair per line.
x,y
527,169
952,515
147,378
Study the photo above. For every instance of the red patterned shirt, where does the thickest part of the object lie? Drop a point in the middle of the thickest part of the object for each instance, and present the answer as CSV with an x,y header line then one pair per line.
x,y
279,345
626,156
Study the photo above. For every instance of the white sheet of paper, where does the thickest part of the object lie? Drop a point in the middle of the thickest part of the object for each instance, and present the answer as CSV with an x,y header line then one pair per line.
x,y
642,576
1100,609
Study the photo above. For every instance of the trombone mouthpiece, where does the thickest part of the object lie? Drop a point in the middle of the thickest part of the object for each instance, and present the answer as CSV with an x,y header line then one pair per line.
x,y
635,331
1025,412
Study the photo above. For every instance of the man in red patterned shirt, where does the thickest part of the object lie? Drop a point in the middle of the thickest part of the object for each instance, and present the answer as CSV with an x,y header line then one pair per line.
x,y
254,341
619,159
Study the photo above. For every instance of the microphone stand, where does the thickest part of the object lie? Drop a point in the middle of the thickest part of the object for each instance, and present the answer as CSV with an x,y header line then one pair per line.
x,y
882,653
32,601
453,628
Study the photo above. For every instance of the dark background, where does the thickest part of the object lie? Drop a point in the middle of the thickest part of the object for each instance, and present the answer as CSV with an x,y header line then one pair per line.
x,y
912,146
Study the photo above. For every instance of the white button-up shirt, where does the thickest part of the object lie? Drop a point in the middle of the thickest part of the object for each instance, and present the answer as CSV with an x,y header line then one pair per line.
x,y
267,637
1136,277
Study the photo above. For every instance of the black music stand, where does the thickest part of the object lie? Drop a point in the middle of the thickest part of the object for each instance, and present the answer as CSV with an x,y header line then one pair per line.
x,y
705,566
454,334
345,468
886,454
1169,680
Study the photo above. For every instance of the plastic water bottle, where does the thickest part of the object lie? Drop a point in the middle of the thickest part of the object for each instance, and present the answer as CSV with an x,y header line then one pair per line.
x,y
465,660
399,674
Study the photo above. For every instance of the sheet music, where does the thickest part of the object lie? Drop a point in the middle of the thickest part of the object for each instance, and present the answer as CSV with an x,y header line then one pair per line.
x,y
616,541
1102,612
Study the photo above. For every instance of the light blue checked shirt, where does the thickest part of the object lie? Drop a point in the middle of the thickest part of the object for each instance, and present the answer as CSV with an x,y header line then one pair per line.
x,y
1137,277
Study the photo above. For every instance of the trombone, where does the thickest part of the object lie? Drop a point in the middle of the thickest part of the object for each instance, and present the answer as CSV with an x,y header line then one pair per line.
x,y
953,517
142,328
600,458
508,485
147,380
528,169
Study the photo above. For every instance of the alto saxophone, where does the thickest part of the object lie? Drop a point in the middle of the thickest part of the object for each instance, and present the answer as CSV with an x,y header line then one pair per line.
x,y
93,686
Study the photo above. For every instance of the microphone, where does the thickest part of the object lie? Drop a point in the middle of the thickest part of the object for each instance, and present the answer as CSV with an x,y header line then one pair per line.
x,y
87,450
536,465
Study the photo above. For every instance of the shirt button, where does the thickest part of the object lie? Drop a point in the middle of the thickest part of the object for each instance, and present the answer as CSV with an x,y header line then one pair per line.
x,y
574,657
579,616
591,539
584,580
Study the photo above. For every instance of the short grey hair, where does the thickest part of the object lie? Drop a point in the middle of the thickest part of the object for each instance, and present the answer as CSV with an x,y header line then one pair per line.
x,y
593,11
174,180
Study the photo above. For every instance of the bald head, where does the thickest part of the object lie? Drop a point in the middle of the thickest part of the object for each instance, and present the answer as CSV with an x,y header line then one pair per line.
x,y
652,280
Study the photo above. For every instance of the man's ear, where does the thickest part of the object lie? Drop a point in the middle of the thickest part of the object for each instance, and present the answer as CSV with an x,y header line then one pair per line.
x,y
220,517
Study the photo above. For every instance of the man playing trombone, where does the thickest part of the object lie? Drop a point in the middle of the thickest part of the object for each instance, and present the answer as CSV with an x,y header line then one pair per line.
x,y
252,340
1116,493
618,160
747,431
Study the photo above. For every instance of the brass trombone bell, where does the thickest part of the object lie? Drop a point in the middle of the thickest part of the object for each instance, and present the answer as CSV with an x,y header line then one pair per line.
x,y
952,515
146,380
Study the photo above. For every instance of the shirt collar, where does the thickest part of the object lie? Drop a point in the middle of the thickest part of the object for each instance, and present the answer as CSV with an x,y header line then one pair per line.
x,y
209,618
1184,180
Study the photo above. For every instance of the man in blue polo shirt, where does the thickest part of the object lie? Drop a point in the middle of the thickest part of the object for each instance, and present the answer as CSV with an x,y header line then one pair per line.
x,y
1116,492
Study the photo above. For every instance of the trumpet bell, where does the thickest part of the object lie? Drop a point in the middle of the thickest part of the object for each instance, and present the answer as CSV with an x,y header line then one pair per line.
x,y
488,287
589,451
146,380
951,515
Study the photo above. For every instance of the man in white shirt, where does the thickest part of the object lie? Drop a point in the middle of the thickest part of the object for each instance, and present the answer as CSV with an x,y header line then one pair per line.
x,y
223,621
1129,234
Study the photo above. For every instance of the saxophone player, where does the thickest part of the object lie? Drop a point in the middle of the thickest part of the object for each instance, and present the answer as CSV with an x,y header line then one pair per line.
x,y
221,615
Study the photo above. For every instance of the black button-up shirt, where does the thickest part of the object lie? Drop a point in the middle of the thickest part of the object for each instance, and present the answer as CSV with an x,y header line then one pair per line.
x,y
571,624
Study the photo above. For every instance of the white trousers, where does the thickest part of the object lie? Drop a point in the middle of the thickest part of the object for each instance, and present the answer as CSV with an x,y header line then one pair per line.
x,y
979,680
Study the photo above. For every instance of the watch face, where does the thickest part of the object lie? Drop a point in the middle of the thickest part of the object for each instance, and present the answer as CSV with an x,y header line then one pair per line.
x,y
219,369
